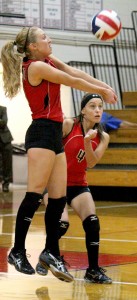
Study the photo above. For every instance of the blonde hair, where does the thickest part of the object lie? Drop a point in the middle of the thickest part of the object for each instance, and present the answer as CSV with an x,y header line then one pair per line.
x,y
11,57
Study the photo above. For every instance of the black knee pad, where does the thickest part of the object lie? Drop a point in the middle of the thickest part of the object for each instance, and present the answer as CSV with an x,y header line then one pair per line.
x,y
32,201
55,207
91,224
63,227
28,207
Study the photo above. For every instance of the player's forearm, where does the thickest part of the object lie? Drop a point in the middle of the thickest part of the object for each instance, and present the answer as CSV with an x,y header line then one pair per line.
x,y
91,79
90,154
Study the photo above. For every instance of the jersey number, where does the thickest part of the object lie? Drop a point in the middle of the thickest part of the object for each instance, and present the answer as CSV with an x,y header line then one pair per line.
x,y
80,155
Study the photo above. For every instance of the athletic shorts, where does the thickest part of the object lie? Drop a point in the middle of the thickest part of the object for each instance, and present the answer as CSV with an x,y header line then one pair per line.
x,y
46,134
74,191
109,122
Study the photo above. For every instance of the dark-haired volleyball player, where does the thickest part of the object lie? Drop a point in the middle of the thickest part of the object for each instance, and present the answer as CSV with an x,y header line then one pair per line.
x,y
84,144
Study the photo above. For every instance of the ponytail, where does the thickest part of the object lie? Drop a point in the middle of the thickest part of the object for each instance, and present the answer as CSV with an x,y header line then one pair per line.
x,y
11,58
11,62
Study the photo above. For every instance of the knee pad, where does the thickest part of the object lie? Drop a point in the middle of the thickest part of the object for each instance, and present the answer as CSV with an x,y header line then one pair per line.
x,y
55,207
29,205
32,200
91,224
63,227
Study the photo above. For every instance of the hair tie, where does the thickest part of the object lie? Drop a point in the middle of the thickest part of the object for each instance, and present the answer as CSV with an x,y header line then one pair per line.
x,y
26,40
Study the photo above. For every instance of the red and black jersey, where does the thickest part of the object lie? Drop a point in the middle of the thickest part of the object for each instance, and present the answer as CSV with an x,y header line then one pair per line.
x,y
44,99
75,154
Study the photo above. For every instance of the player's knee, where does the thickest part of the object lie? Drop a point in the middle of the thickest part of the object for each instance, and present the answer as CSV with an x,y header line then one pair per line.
x,y
56,206
91,224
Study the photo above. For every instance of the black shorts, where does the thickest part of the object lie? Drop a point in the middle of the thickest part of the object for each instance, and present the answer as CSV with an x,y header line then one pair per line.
x,y
74,191
44,133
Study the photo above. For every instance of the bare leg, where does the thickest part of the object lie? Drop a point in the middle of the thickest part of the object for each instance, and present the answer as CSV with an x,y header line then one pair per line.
x,y
126,124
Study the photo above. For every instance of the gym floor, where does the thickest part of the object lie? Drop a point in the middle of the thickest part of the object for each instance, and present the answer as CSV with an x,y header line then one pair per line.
x,y
118,253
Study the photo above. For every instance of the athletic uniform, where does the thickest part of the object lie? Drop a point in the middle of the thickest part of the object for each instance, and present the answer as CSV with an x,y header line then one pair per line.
x,y
76,161
44,132
45,104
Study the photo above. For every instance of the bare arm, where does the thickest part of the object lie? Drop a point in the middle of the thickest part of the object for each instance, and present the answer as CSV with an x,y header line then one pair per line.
x,y
67,126
93,157
39,70
78,73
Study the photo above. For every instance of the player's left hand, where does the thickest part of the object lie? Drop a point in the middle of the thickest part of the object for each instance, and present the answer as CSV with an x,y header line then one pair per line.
x,y
91,134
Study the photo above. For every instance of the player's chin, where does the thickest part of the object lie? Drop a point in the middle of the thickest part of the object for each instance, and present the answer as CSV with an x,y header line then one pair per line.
x,y
97,119
50,51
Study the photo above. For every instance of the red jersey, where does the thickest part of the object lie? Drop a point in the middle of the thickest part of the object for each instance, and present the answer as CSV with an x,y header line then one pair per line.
x,y
44,99
75,154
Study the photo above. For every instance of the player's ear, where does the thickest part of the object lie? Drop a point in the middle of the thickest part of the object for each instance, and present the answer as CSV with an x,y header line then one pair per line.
x,y
83,111
32,46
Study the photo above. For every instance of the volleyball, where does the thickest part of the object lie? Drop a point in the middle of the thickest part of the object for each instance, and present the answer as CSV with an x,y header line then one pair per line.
x,y
106,25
